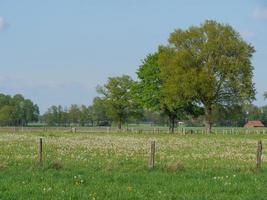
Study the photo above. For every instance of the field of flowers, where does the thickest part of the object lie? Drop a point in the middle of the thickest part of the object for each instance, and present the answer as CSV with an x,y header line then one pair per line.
x,y
115,166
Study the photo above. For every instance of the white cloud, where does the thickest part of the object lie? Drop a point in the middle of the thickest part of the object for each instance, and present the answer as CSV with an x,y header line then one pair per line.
x,y
260,13
3,23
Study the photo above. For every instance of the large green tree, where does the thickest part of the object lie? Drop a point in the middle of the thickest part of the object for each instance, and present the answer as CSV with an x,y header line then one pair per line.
x,y
118,97
150,90
210,63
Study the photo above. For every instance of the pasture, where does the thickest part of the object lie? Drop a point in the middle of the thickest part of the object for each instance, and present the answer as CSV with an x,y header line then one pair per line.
x,y
115,166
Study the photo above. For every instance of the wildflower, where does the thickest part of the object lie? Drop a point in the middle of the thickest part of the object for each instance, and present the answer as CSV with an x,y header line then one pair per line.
x,y
130,189
93,195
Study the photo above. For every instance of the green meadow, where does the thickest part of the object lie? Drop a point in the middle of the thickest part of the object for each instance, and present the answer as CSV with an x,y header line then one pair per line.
x,y
115,166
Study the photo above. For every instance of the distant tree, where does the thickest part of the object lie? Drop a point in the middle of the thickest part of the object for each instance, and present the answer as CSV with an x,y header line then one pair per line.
x,y
99,112
86,115
17,110
252,112
55,116
66,118
232,116
74,114
211,64
265,95
50,116
5,100
30,112
264,114
18,114
117,95
154,117
6,115
150,90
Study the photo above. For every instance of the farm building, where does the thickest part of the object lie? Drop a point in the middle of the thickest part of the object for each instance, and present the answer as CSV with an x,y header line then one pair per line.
x,y
254,124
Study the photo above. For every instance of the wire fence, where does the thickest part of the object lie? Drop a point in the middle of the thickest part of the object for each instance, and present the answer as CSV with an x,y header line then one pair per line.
x,y
152,130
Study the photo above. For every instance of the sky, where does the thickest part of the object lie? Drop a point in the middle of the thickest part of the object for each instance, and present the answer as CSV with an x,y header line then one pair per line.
x,y
57,51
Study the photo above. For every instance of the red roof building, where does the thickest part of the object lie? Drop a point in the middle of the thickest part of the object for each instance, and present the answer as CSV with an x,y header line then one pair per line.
x,y
254,124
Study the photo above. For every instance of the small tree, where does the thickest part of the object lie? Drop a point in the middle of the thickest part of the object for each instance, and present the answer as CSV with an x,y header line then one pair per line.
x,y
119,99
265,95
211,64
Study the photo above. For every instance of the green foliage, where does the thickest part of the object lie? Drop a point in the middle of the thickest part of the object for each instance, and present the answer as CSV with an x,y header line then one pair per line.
x,y
148,88
74,115
17,110
86,116
211,64
253,112
118,97
265,95
55,116
232,116
153,94
99,112
154,118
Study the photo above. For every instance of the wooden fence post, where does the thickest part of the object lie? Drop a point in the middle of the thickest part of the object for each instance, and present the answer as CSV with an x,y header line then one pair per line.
x,y
73,129
258,155
151,161
40,151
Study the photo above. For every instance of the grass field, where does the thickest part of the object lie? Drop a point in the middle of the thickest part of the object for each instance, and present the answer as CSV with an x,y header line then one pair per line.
x,y
114,166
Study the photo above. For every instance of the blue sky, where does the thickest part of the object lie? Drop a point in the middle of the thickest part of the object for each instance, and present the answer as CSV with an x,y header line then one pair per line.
x,y
57,51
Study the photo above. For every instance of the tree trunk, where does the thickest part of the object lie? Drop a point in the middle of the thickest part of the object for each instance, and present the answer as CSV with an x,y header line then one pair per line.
x,y
172,123
208,119
119,125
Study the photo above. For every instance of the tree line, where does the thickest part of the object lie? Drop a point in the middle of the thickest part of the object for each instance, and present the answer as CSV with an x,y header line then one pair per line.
x,y
203,75
97,115
100,113
17,111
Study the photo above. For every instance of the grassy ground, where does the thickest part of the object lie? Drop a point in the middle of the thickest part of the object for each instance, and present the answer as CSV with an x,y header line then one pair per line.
x,y
114,166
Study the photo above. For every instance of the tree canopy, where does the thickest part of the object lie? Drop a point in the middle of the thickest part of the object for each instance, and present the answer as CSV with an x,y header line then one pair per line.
x,y
210,64
150,91
118,97
17,110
